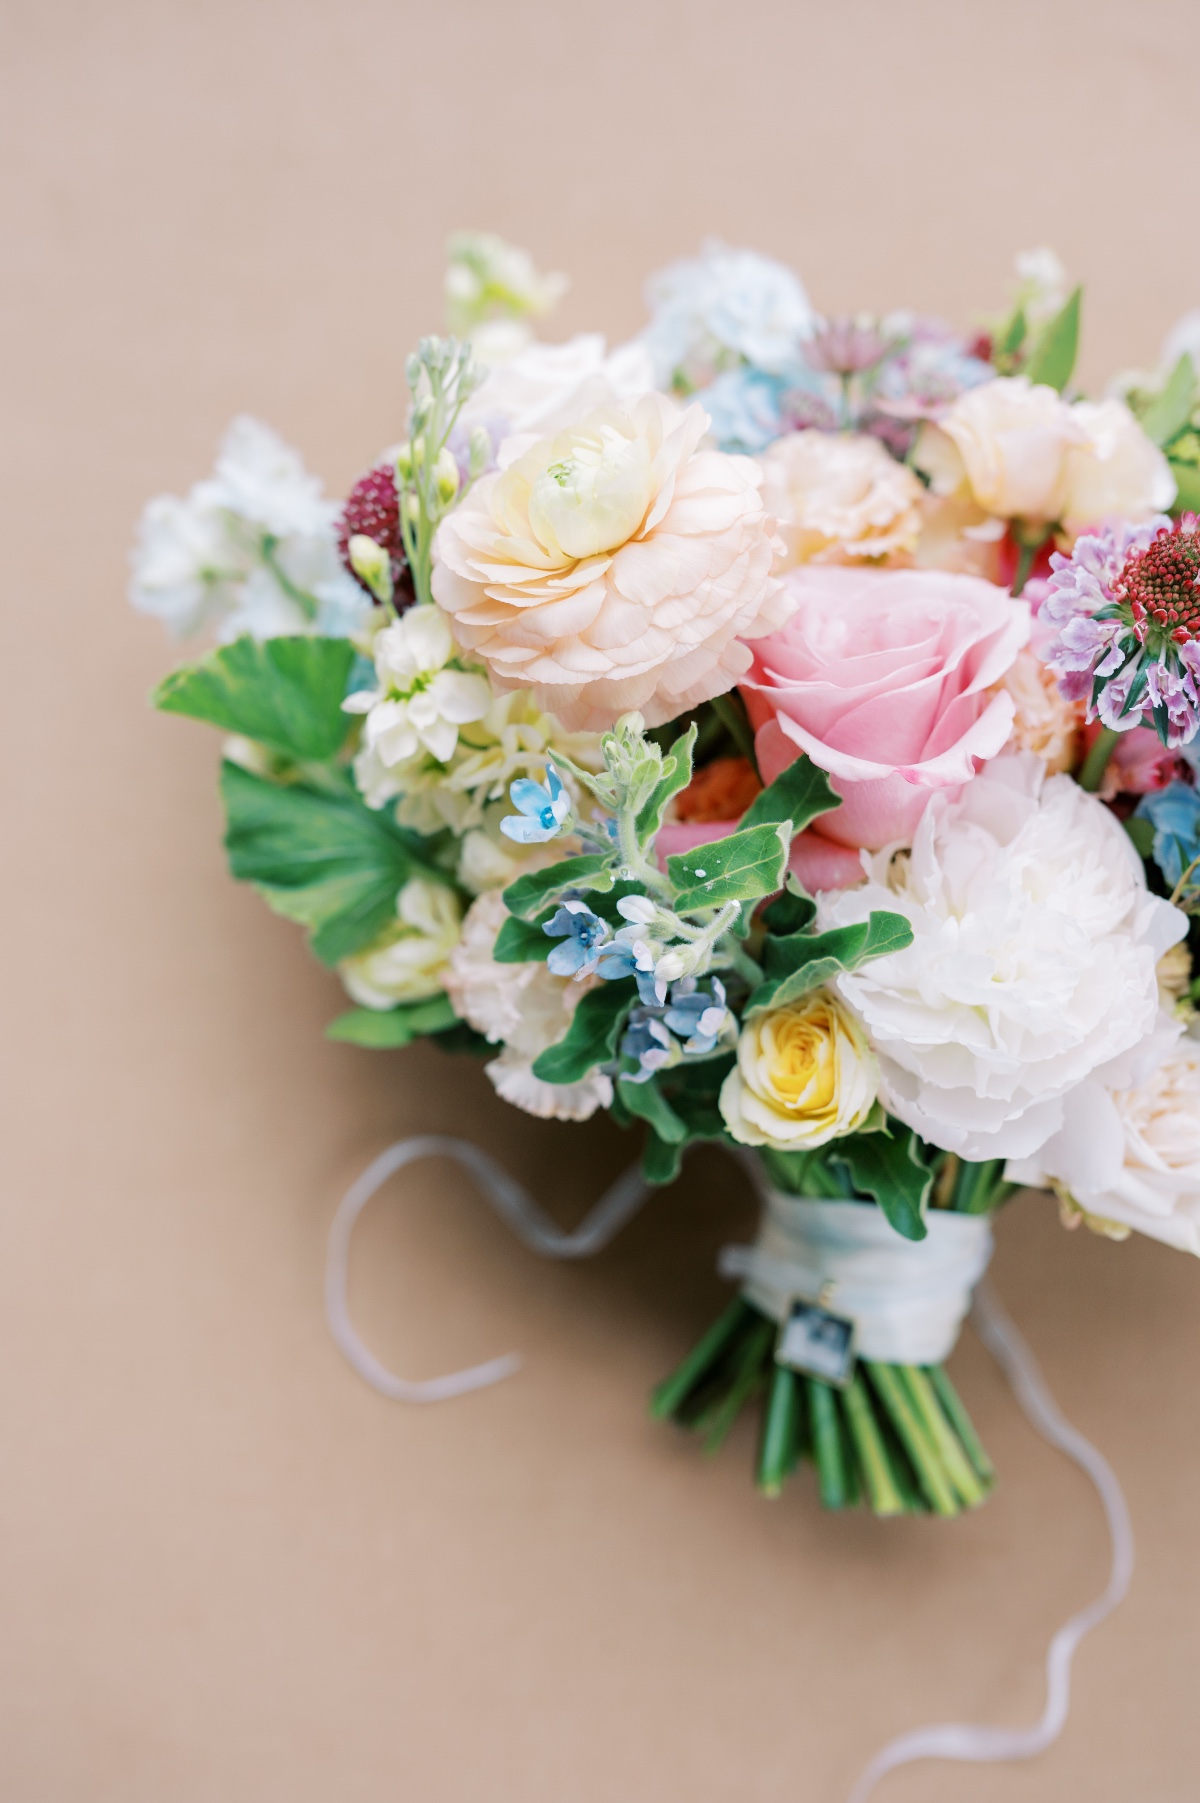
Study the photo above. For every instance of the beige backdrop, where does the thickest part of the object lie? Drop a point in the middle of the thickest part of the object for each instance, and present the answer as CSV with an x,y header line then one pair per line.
x,y
230,1572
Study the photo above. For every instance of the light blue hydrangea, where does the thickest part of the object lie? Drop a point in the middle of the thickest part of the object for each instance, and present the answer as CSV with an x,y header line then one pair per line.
x,y
724,306
543,808
745,407
583,934
1174,813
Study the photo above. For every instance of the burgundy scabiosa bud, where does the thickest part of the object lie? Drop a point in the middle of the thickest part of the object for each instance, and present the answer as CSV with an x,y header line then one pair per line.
x,y
372,510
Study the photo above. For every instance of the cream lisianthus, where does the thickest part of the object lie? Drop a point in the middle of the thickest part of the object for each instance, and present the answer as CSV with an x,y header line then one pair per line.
x,y
524,1008
1032,964
616,566
1118,472
804,1075
421,699
407,962
839,497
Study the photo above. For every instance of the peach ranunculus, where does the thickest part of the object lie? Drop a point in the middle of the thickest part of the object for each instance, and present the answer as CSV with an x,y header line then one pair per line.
x,y
839,497
887,679
616,566
1020,451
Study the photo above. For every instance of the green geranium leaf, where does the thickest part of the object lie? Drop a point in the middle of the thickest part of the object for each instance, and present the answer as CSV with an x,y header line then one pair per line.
x,y
592,1036
647,1101
1187,487
1170,411
889,1167
522,942
676,775
791,911
1053,356
382,1029
662,1159
798,794
283,693
803,961
324,860
742,867
529,895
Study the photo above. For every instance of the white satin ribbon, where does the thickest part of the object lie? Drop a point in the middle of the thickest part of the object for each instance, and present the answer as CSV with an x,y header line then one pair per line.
x,y
907,1298
963,1740
515,1206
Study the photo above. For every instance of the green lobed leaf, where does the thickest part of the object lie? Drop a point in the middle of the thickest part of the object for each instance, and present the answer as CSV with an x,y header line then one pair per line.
x,y
382,1029
530,894
522,942
746,865
324,860
284,693
647,1101
799,793
889,1167
1170,411
1053,356
592,1036
803,961
676,775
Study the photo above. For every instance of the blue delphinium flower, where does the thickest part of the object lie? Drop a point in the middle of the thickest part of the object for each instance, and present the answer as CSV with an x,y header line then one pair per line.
x,y
583,934
543,808
1174,813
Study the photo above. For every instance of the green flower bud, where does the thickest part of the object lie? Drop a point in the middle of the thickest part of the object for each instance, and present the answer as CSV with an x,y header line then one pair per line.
x,y
403,460
372,563
445,472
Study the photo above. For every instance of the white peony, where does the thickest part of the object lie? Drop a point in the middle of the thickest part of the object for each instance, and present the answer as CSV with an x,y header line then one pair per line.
x,y
613,567
1032,966
251,549
523,1007
545,387
407,962
1133,1157
419,703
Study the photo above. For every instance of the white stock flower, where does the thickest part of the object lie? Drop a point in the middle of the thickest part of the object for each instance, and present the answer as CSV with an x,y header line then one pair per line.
x,y
250,549
408,961
616,566
1133,1155
838,497
524,1008
419,703
1032,965
721,307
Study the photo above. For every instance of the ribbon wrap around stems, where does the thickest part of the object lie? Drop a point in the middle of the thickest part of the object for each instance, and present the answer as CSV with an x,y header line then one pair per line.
x,y
907,1298
512,1202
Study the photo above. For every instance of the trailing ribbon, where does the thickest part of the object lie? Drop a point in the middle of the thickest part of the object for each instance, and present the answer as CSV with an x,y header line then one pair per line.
x,y
823,1249
907,1298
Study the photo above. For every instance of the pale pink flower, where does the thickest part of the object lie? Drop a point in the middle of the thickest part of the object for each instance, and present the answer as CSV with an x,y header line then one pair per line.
x,y
616,566
839,498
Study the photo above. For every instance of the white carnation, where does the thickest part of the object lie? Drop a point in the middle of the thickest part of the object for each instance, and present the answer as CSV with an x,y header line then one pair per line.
x,y
1032,965
523,1007
251,549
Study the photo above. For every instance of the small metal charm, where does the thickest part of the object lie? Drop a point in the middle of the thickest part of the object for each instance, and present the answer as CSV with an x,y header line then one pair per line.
x,y
817,1342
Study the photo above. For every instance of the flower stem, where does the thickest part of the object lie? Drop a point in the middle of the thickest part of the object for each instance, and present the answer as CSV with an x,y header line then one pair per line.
x,y
872,1453
1028,546
955,1462
732,715
779,1432
675,1389
961,1422
827,1445
914,1437
1091,774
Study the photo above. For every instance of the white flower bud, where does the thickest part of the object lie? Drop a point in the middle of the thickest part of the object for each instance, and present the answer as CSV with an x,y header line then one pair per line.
x,y
372,563
412,508
480,442
403,459
446,476
418,448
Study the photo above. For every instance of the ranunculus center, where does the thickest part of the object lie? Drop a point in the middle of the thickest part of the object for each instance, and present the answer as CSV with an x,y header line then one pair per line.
x,y
1160,586
594,494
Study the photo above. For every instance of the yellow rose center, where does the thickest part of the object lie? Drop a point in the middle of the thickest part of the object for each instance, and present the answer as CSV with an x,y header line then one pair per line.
x,y
800,1053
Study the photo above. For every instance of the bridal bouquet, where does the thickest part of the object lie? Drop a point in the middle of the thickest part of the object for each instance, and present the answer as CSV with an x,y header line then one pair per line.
x,y
777,731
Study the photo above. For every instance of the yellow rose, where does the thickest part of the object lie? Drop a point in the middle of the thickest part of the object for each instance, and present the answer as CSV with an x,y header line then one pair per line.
x,y
804,1075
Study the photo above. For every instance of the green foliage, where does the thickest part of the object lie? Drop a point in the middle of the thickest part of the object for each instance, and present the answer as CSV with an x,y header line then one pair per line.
x,y
284,693
803,961
662,1159
889,1167
529,895
790,912
1013,335
592,1036
322,859
381,1030
1142,833
1052,359
1170,411
676,775
746,865
522,942
799,793
647,1101
1187,484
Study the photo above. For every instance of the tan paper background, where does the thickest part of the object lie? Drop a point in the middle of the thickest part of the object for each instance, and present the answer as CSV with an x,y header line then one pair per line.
x,y
229,1571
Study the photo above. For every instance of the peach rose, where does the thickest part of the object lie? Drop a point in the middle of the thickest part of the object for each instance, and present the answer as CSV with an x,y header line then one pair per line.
x,y
886,678
838,497
616,566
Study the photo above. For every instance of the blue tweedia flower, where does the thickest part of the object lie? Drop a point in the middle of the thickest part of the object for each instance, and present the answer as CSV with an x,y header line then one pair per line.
x,y
620,959
697,1018
543,808
647,1040
1174,813
583,933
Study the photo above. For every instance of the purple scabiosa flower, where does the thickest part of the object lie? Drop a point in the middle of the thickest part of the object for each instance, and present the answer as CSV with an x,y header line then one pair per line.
x,y
1124,609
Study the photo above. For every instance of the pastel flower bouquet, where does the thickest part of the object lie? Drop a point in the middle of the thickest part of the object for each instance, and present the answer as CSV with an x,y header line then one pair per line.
x,y
777,732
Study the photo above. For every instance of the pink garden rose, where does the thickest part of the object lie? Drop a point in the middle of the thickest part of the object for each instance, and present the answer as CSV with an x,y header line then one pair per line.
x,y
887,679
